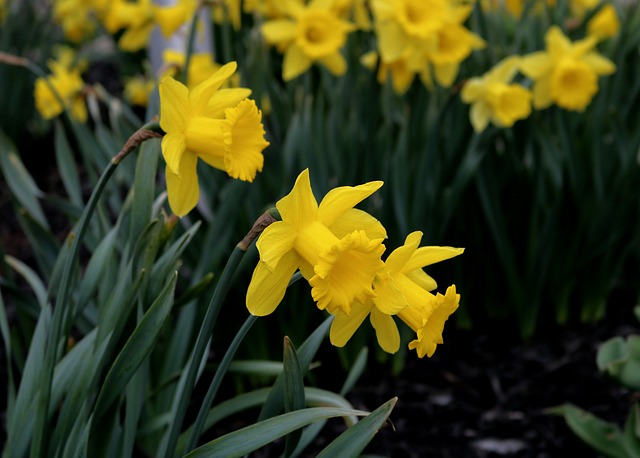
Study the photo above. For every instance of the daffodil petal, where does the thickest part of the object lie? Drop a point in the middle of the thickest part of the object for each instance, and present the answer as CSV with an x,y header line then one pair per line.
x,y
267,287
278,31
422,279
536,64
344,326
295,63
428,255
274,242
299,206
174,105
173,149
201,94
542,93
335,63
183,190
400,256
601,65
472,90
386,331
355,219
446,73
479,115
223,99
337,201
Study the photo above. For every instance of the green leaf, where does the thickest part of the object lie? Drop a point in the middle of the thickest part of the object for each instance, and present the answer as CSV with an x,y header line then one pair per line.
x,y
293,391
355,439
632,432
144,187
136,348
250,438
603,436
37,286
67,166
22,186
275,402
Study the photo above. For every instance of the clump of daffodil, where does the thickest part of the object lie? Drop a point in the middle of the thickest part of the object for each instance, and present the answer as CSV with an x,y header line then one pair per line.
x,y
220,126
309,34
428,34
63,89
566,73
605,23
336,248
495,99
403,288
76,17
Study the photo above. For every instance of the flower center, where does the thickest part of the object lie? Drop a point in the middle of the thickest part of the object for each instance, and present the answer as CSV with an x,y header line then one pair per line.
x,y
320,33
573,84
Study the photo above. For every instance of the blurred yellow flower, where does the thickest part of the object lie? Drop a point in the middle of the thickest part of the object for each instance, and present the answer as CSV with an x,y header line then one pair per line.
x,y
229,10
516,7
494,100
401,75
566,73
67,83
76,17
354,10
336,248
310,34
220,126
425,34
605,23
401,288
137,90
3,10
581,7
136,17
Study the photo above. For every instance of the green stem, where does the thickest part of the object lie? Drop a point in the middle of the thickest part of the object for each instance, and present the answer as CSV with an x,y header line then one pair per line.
x,y
215,384
200,347
55,341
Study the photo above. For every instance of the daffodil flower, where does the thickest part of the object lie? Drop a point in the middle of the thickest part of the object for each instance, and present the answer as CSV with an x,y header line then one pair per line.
x,y
605,23
494,100
220,126
401,288
68,86
336,247
566,73
311,33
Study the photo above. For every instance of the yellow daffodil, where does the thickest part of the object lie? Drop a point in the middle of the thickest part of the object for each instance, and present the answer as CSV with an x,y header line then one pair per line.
x,y
428,321
336,247
605,24
566,73
581,7
136,17
76,17
425,34
493,99
220,126
401,75
68,86
310,34
354,10
401,288
137,90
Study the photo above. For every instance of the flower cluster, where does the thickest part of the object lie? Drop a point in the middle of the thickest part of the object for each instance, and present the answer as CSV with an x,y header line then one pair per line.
x,y
63,89
423,37
338,250
220,126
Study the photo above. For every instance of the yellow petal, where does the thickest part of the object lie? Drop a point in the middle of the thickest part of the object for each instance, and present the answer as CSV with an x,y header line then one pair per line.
x,y
274,242
335,63
479,115
472,90
174,106
344,326
203,92
173,149
422,279
556,41
446,73
223,99
392,41
267,287
278,31
183,190
536,65
505,70
542,93
428,255
295,63
389,298
386,331
337,201
299,207
355,219
400,256
599,64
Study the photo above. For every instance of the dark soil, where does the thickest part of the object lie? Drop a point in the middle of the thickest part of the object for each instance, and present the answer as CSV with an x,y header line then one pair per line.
x,y
480,396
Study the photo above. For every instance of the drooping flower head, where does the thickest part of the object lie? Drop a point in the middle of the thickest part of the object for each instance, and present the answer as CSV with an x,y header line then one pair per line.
x,y
566,73
401,288
493,99
309,34
336,247
220,126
